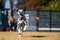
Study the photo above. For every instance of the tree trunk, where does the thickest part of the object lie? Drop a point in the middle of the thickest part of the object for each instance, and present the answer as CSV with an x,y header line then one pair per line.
x,y
11,4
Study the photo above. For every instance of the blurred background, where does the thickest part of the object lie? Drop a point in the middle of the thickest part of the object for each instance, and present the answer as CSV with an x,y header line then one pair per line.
x,y
41,15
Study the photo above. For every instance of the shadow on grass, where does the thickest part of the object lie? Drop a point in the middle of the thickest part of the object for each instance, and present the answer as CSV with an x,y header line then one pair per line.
x,y
39,36
35,36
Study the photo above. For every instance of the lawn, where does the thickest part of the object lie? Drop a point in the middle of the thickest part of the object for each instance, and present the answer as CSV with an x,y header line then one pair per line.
x,y
30,36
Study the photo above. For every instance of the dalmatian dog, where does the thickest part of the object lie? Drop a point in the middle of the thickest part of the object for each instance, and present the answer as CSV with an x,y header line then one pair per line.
x,y
21,24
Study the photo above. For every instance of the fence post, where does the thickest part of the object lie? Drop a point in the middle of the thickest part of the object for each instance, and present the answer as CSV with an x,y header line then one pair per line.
x,y
50,21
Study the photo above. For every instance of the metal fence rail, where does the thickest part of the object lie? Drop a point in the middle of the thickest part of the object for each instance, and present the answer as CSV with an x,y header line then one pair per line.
x,y
49,20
